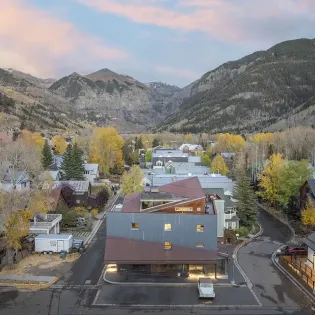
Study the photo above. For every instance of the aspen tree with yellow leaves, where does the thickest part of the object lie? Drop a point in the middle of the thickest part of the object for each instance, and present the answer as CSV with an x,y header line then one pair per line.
x,y
60,144
106,149
218,165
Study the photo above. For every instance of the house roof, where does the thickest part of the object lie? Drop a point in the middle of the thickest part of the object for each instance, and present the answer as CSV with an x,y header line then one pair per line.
x,y
220,192
160,195
15,176
191,147
90,167
166,159
188,188
206,181
310,241
124,250
76,185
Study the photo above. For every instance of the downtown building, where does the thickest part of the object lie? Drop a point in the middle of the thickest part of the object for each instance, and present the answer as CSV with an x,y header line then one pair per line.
x,y
170,229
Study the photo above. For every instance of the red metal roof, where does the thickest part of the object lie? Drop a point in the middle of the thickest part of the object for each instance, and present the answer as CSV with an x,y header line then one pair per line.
x,y
188,188
129,251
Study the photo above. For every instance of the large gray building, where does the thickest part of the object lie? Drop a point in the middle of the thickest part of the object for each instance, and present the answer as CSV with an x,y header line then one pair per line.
x,y
172,228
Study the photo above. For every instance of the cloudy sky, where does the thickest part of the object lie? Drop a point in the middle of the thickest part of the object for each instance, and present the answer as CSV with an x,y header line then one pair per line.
x,y
173,41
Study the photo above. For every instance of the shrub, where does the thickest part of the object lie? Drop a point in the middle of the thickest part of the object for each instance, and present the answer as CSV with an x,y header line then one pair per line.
x,y
81,211
94,212
242,231
229,236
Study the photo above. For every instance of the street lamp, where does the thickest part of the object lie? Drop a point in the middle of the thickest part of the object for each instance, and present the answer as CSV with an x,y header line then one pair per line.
x,y
233,275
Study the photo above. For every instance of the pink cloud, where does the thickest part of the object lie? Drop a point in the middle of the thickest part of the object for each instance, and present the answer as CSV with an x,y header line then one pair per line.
x,y
36,42
178,72
223,20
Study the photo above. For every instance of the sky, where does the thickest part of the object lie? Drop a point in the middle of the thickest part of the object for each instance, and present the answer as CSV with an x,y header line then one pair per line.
x,y
172,41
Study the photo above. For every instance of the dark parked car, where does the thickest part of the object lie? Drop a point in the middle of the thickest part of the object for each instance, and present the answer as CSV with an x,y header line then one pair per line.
x,y
295,250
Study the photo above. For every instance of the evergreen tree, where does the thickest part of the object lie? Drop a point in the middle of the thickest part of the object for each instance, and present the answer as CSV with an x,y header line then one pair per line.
x,y
155,143
67,162
138,143
47,157
77,167
246,199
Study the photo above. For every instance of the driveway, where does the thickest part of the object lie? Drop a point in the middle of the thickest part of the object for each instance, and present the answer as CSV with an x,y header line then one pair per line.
x,y
175,296
272,288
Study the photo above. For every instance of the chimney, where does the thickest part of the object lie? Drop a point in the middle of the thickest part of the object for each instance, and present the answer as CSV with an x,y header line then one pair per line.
x,y
174,179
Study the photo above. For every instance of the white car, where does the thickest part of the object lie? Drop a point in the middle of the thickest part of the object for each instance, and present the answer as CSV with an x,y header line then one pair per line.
x,y
205,288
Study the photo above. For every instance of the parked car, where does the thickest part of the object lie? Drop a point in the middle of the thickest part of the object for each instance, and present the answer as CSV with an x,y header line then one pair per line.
x,y
77,246
288,250
205,288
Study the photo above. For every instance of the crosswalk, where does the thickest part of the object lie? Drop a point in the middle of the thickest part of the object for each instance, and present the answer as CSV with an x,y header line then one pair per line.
x,y
81,233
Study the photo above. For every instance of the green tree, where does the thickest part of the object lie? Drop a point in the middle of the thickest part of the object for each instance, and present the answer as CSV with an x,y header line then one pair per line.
x,y
66,165
131,181
148,156
77,163
205,159
47,157
246,199
292,177
138,143
72,164
155,143
127,151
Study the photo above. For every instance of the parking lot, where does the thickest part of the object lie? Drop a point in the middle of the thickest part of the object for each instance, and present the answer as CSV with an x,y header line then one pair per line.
x,y
175,295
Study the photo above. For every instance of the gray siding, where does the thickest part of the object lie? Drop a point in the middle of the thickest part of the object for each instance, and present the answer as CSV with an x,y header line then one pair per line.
x,y
151,228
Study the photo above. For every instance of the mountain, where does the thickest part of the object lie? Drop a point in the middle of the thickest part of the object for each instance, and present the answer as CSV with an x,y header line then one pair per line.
x,y
32,103
266,90
106,97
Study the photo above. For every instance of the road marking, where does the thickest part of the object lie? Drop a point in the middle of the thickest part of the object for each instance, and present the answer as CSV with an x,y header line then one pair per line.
x,y
74,286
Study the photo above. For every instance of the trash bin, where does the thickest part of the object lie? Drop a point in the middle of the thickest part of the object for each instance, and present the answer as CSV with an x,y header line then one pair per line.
x,y
63,254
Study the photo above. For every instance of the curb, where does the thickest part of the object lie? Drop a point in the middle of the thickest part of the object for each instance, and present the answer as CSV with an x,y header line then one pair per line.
x,y
235,252
94,231
281,220
29,286
165,284
288,275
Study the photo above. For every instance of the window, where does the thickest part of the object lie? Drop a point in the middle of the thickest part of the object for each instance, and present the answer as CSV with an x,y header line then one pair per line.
x,y
198,209
200,228
134,226
167,245
199,245
167,227
78,201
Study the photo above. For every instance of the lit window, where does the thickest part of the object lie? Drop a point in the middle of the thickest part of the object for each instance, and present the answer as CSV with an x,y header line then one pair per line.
x,y
167,227
167,245
134,226
200,228
199,245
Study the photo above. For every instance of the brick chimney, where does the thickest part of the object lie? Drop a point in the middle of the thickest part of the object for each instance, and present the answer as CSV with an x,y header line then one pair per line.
x,y
174,179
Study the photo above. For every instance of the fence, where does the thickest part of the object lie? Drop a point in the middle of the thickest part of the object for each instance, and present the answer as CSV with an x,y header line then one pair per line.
x,y
297,266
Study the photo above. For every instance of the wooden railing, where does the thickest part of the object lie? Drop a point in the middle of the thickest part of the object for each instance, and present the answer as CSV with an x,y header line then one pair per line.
x,y
298,266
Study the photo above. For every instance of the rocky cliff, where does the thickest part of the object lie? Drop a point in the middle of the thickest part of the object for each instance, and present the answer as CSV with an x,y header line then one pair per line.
x,y
254,93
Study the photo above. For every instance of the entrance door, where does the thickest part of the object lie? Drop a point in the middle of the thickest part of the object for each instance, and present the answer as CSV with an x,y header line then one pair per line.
x,y
60,246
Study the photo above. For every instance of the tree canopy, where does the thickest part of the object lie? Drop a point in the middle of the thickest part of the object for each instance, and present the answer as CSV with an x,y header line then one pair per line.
x,y
131,181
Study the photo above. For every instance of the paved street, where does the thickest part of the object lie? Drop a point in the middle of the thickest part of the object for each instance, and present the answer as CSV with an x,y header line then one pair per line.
x,y
271,287
153,295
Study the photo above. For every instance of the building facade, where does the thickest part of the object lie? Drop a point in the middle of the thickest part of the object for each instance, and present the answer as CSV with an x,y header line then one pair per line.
x,y
169,229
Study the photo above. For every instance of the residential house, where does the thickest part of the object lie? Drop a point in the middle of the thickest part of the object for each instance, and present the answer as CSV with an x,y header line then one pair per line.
x,y
166,229
193,149
91,172
75,193
307,193
46,224
15,180
230,216
162,156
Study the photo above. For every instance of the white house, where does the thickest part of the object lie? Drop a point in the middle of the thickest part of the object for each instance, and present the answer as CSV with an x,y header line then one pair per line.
x,y
15,180
187,147
46,224
91,172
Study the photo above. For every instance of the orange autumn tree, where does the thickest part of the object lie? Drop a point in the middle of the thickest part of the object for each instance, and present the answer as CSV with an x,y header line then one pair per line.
x,y
33,139
106,149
